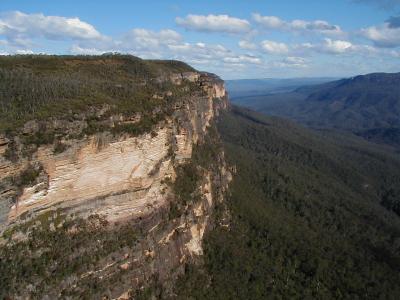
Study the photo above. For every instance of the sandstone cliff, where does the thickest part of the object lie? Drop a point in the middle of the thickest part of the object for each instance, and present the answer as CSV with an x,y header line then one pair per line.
x,y
117,184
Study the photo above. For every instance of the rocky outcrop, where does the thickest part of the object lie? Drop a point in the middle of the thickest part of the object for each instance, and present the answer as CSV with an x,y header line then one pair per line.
x,y
123,178
110,177
118,176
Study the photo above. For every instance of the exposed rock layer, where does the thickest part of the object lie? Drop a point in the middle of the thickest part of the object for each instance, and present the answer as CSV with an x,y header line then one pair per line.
x,y
128,178
99,167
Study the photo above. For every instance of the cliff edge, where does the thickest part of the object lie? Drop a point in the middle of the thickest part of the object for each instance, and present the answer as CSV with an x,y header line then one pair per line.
x,y
118,186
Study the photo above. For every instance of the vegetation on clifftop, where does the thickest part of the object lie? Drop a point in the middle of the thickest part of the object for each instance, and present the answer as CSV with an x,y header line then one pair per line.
x,y
40,87
59,256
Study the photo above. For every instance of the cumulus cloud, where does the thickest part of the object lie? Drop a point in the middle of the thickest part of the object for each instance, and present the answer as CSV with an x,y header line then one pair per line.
x,y
24,52
138,41
269,22
75,49
336,46
214,23
317,26
247,45
200,50
243,59
139,38
386,35
200,53
328,46
216,57
19,28
395,53
295,60
291,62
20,32
273,47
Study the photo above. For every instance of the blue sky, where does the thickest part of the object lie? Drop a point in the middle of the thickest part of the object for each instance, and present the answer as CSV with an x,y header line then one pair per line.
x,y
235,39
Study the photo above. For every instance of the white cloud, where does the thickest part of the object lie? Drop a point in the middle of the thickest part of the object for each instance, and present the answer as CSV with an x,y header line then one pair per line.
x,y
215,58
317,26
291,62
385,35
272,47
299,61
75,49
24,52
269,22
20,32
138,41
199,51
247,45
214,23
19,28
328,46
243,59
336,46
139,38
395,53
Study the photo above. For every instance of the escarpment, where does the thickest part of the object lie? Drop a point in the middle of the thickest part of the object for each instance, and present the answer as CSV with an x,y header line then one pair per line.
x,y
107,198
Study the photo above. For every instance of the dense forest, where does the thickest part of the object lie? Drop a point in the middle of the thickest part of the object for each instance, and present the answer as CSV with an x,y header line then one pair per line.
x,y
311,214
242,88
42,87
313,217
359,103
367,105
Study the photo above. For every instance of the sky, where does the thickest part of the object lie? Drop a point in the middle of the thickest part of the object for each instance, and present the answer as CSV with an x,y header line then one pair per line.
x,y
235,39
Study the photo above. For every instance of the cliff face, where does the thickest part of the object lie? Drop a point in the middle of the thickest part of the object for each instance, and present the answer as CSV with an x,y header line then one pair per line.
x,y
119,182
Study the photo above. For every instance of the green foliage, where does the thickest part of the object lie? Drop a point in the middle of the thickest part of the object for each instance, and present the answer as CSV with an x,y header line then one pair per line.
x,y
187,180
11,152
59,147
185,188
146,123
154,290
389,136
49,258
207,153
40,138
366,105
40,87
307,220
190,174
27,177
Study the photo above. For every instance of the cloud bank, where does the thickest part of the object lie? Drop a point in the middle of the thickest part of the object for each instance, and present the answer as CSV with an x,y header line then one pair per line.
x,y
317,26
19,28
247,46
214,23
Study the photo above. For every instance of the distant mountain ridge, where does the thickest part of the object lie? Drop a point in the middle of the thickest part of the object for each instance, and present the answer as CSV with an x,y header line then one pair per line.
x,y
368,105
252,87
361,102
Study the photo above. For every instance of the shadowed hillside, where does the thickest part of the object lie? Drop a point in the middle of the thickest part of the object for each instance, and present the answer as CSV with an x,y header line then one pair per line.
x,y
310,217
366,105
